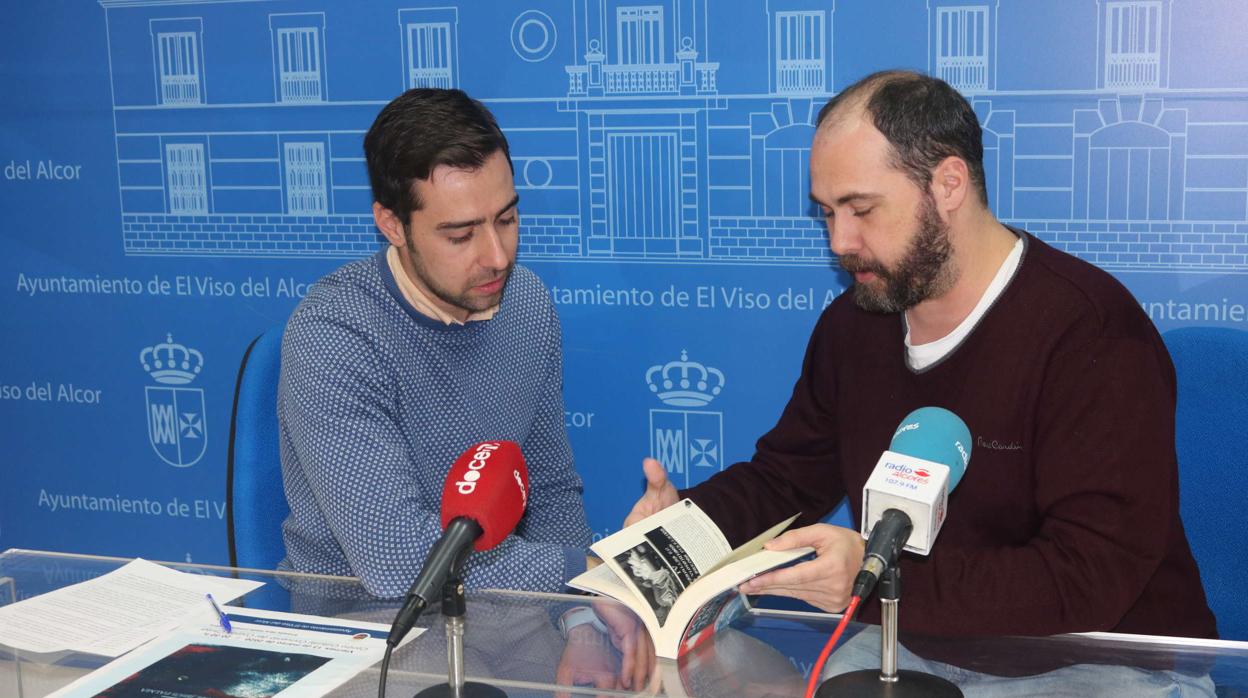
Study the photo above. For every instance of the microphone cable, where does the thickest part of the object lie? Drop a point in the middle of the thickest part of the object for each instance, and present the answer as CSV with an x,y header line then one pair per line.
x,y
385,669
817,669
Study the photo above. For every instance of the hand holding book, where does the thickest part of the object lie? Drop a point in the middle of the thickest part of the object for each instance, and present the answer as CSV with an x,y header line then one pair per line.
x,y
677,572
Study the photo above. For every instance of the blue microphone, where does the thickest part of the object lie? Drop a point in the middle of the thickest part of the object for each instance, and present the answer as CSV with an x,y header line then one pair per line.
x,y
938,435
934,436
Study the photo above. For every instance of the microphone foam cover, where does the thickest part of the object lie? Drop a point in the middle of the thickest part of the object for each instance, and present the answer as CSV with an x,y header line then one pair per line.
x,y
937,435
489,484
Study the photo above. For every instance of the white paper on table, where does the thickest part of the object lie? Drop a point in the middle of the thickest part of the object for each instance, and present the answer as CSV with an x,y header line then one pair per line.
x,y
269,653
116,612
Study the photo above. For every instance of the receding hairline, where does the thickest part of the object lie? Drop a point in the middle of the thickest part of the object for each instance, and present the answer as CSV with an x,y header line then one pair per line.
x,y
855,104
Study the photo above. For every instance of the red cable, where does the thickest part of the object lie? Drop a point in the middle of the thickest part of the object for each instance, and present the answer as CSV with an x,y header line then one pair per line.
x,y
827,649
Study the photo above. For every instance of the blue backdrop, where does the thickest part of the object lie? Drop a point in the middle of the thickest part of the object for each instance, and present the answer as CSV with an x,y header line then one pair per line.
x,y
175,174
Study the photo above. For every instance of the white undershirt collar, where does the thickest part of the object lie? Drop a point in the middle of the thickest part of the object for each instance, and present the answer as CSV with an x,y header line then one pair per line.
x,y
921,356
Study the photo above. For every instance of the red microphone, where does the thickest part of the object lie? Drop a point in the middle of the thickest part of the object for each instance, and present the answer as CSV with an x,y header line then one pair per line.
x,y
489,484
483,499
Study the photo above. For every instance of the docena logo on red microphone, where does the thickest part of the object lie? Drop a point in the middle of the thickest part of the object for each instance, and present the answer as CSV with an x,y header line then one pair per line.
x,y
467,484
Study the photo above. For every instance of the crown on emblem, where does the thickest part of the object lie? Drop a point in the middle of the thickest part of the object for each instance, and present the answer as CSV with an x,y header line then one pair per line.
x,y
685,383
172,364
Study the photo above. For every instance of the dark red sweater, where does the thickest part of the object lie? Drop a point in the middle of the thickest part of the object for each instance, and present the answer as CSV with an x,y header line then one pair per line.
x,y
1067,518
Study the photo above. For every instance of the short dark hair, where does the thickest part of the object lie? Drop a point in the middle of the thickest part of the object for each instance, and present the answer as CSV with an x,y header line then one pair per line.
x,y
420,130
924,119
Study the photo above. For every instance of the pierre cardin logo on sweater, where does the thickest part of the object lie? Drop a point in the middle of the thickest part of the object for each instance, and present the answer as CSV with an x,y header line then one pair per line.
x,y
995,445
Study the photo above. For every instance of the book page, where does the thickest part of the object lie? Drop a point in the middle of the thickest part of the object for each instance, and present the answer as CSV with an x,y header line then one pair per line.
x,y
755,544
664,553
603,580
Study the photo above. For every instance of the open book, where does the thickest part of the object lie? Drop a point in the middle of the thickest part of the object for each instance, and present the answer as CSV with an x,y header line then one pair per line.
x,y
676,571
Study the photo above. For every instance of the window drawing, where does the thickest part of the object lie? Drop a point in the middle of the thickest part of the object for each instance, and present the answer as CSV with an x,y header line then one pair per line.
x,y
187,182
962,47
305,178
1133,44
429,55
639,35
799,51
299,64
177,61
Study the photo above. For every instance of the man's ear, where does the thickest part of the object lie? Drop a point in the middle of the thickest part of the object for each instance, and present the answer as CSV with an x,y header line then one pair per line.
x,y
951,184
389,225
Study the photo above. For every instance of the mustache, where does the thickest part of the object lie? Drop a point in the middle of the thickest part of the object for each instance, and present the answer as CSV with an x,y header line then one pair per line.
x,y
853,264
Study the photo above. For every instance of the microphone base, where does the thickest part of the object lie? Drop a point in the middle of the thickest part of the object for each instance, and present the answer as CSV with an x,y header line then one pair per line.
x,y
471,689
867,682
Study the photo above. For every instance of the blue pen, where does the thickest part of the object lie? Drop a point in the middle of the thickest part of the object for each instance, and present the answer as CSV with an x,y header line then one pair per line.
x,y
225,620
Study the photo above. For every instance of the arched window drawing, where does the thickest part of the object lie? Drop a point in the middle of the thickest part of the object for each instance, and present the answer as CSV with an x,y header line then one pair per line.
x,y
1129,173
786,167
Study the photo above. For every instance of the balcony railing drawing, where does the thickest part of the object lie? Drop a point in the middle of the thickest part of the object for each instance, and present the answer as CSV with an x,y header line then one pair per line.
x,y
799,76
706,77
298,87
638,79
430,77
652,78
964,72
1133,70
179,89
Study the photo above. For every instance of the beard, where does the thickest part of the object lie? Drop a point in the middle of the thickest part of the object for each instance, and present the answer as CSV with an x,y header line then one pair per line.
x,y
925,270
462,298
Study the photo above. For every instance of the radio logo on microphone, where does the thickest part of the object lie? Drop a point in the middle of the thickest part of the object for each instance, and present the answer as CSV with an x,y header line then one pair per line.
x,y
906,427
468,483
907,477
524,494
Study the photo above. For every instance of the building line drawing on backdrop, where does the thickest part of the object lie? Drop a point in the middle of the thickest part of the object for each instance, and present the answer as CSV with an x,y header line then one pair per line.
x,y
628,150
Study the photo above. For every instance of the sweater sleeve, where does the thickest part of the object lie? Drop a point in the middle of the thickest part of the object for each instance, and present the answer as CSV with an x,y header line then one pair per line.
x,y
352,466
1105,484
552,539
794,467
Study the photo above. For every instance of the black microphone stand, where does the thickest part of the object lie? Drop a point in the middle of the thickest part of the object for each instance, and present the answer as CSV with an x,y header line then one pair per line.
x,y
454,606
888,681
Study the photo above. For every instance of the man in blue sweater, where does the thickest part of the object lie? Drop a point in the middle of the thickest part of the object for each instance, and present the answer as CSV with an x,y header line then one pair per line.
x,y
393,365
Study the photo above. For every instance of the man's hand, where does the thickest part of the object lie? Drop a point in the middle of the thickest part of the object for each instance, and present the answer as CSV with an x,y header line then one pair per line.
x,y
660,493
587,660
630,637
826,581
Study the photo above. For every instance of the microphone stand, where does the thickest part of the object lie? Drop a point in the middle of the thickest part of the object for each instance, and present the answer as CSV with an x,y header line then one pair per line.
x,y
454,606
889,681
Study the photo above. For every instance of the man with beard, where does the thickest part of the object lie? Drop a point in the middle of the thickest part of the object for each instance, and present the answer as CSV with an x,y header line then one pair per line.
x,y
393,365
1067,518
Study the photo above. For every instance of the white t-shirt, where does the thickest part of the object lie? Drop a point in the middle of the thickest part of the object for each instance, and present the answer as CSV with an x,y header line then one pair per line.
x,y
923,355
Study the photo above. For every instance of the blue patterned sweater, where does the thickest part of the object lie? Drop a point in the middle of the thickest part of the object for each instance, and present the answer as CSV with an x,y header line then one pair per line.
x,y
377,400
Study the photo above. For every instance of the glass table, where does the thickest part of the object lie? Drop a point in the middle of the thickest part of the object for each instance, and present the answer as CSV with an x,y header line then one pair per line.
x,y
512,642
